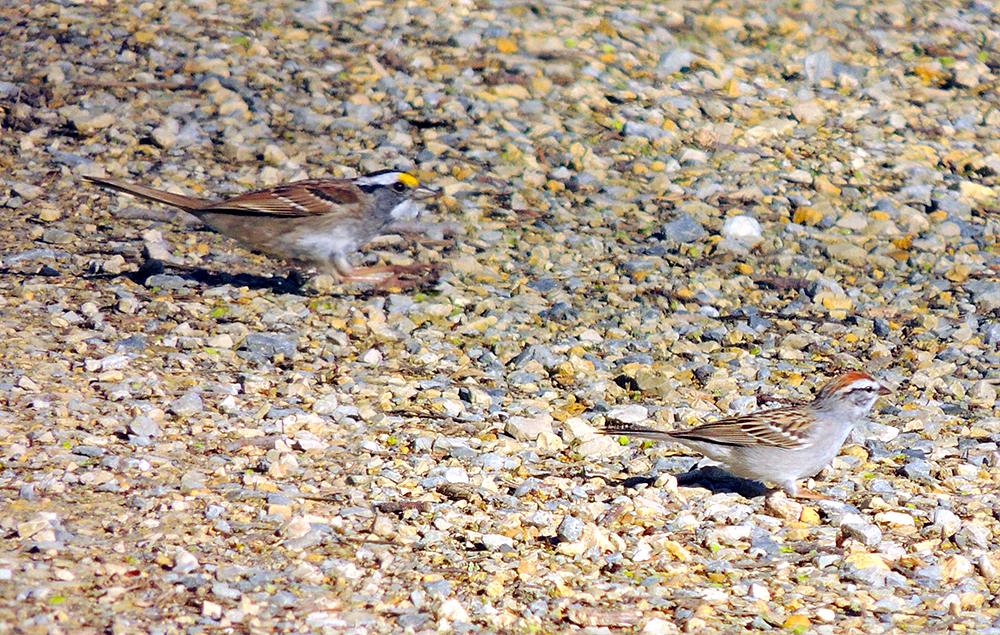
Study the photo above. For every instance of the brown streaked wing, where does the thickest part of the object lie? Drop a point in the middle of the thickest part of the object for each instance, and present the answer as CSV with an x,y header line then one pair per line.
x,y
303,198
633,430
753,429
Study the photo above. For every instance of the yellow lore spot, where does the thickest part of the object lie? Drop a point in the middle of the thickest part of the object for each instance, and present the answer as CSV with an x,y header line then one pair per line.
x,y
409,180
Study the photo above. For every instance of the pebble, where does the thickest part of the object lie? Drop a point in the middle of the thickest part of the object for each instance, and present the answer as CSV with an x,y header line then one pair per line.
x,y
496,542
867,534
946,522
675,61
741,229
629,414
528,428
55,236
143,426
956,567
269,345
918,471
570,529
184,561
26,191
683,229
186,405
864,568
592,167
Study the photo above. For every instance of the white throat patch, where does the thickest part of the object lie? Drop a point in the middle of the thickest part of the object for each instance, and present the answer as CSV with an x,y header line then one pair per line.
x,y
387,178
407,210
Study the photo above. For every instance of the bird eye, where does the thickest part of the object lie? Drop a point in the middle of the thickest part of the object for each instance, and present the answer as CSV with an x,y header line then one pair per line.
x,y
399,186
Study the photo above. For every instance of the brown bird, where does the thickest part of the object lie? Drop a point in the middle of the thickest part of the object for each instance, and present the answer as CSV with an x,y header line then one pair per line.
x,y
781,445
316,223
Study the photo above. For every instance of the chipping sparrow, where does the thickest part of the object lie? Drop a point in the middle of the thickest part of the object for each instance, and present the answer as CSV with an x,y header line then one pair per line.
x,y
781,445
319,222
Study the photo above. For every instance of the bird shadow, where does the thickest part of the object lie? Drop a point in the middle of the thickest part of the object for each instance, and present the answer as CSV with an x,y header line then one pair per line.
x,y
714,479
295,283
290,284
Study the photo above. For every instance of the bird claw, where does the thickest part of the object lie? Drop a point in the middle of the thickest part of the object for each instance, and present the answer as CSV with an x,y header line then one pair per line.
x,y
405,277
382,277
804,494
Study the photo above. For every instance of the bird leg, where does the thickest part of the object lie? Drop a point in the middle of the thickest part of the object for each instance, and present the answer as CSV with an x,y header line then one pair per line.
x,y
799,493
402,277
806,494
382,277
793,490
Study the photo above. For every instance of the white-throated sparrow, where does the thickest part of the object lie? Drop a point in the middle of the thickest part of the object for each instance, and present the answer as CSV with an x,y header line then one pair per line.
x,y
317,222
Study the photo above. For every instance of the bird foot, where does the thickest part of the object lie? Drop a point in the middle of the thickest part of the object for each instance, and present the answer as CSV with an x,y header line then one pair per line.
x,y
795,493
805,494
404,277
382,277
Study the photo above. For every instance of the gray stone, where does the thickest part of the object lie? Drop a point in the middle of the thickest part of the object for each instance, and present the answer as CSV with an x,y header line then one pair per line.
x,y
848,253
973,536
270,344
528,428
143,426
644,130
683,229
186,405
675,61
918,471
468,38
522,377
866,533
89,450
223,590
326,405
818,66
728,535
874,576
537,353
570,529
929,577
55,236
26,191
946,522
489,461
991,333
168,281
985,294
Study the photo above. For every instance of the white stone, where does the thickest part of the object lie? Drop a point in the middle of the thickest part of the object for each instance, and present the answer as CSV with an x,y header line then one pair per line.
x,y
453,611
825,615
628,414
656,626
741,228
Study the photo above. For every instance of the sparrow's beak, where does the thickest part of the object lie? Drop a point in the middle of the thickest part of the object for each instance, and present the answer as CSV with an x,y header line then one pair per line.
x,y
420,193
883,391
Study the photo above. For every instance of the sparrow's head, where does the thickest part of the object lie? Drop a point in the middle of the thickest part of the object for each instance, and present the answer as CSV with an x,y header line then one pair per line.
x,y
854,390
394,193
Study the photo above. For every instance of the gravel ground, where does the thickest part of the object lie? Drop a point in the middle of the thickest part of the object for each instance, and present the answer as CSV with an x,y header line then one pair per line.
x,y
652,213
